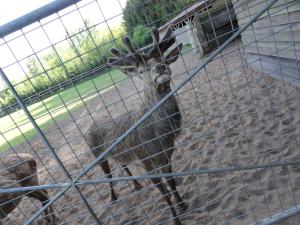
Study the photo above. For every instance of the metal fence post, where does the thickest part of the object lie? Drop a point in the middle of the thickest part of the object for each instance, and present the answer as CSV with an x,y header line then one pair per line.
x,y
34,16
47,144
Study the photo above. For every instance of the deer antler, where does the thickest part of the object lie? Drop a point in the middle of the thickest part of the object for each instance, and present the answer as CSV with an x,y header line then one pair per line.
x,y
159,47
131,60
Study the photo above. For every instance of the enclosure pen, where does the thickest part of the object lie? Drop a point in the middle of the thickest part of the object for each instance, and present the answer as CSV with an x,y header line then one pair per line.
x,y
196,101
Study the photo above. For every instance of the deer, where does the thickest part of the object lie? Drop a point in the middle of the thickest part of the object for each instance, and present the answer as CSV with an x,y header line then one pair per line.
x,y
152,143
21,171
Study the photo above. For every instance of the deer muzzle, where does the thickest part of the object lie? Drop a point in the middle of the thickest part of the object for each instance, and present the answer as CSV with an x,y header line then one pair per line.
x,y
162,78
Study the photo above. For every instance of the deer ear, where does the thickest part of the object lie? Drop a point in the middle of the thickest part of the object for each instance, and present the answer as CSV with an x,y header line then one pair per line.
x,y
174,54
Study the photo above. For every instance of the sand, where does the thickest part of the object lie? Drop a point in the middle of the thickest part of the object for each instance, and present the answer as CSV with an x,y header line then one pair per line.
x,y
232,115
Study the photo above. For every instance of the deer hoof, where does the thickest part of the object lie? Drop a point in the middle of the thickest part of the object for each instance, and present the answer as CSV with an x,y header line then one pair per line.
x,y
113,200
177,222
52,220
183,206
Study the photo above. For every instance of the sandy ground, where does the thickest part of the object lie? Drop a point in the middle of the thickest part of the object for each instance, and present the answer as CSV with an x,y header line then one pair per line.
x,y
232,116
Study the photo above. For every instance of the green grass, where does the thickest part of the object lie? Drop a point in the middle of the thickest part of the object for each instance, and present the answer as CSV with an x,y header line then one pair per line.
x,y
12,125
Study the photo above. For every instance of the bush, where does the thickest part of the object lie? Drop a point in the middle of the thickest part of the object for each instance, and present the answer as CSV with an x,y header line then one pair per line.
x,y
152,13
141,36
6,98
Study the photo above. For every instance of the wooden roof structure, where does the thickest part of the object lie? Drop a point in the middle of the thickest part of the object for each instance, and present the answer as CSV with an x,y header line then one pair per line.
x,y
197,9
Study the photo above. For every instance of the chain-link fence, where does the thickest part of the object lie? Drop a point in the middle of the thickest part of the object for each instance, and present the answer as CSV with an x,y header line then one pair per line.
x,y
151,112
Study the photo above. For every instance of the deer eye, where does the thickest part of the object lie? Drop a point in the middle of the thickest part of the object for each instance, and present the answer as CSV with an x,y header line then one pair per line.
x,y
142,70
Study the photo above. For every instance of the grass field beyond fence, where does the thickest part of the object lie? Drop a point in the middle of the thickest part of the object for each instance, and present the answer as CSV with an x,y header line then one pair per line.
x,y
13,124
15,127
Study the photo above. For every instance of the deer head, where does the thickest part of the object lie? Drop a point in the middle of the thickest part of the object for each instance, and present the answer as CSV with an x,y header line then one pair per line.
x,y
152,67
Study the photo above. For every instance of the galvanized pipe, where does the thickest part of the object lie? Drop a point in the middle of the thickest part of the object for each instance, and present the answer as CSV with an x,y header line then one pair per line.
x,y
147,177
35,16
277,218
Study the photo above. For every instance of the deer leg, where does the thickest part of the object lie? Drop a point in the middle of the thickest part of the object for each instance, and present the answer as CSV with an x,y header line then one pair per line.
x,y
172,183
166,195
137,185
42,196
106,169
149,167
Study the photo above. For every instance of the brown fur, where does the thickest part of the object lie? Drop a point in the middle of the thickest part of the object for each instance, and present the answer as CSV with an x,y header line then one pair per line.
x,y
153,142
21,171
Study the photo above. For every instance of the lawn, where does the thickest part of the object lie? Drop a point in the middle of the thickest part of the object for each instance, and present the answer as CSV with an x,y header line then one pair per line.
x,y
56,106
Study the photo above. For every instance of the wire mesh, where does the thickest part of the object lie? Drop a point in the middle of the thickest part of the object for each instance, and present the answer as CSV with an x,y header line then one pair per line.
x,y
235,154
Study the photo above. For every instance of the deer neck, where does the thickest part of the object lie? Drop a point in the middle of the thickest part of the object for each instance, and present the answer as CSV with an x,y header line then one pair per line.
x,y
169,109
152,96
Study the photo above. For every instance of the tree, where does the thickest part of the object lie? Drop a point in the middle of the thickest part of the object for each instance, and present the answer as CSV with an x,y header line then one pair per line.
x,y
151,13
46,72
141,36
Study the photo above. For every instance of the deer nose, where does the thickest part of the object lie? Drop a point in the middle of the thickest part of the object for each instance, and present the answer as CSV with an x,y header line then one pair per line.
x,y
160,68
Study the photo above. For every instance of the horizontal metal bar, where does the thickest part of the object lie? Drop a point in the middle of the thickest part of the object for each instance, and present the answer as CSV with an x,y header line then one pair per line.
x,y
33,188
275,219
145,177
35,16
